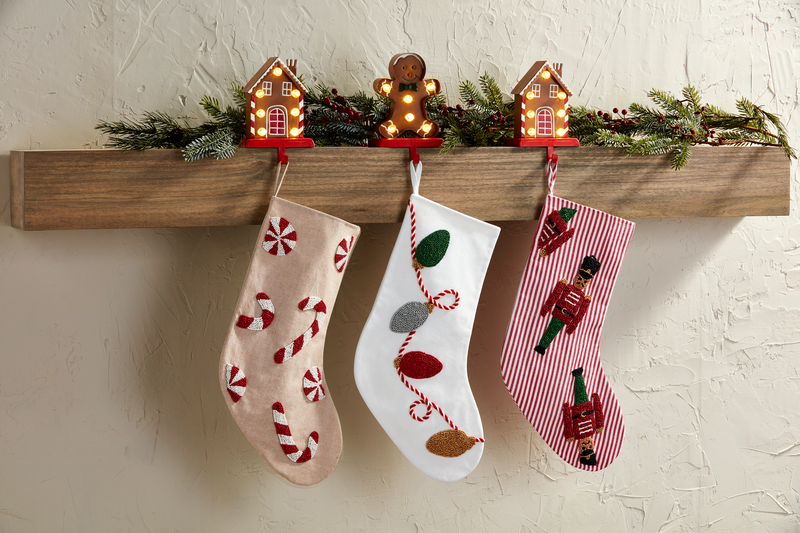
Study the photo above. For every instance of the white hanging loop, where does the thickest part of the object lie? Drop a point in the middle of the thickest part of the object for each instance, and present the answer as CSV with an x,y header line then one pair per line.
x,y
416,174
279,177
552,168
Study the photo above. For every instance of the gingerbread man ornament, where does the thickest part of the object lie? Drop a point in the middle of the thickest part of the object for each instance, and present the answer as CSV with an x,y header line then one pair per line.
x,y
408,90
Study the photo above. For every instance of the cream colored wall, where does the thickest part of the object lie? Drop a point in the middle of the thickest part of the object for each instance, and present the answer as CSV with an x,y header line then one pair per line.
x,y
110,414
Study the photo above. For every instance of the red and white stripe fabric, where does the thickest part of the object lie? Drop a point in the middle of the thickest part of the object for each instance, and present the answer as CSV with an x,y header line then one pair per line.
x,y
541,384
280,238
262,322
235,381
289,351
340,257
287,442
312,384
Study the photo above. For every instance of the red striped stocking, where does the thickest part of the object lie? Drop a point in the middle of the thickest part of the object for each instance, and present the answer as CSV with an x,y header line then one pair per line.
x,y
551,358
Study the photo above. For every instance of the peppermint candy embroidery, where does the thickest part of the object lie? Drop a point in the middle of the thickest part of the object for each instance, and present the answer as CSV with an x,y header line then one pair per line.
x,y
291,349
262,322
280,238
312,384
340,257
235,382
287,442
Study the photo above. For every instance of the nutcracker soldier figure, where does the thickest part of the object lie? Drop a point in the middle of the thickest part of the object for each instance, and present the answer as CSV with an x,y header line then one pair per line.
x,y
583,420
568,303
555,232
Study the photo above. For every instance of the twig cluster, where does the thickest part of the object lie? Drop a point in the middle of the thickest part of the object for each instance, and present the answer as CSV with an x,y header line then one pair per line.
x,y
676,125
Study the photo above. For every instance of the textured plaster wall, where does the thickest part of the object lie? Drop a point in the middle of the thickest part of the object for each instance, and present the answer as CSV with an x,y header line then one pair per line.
x,y
110,414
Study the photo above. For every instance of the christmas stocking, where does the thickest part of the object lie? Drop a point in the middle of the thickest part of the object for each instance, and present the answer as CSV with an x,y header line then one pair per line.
x,y
551,357
411,360
271,366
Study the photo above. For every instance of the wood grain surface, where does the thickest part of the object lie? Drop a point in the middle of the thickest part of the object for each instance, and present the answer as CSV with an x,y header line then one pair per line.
x,y
82,189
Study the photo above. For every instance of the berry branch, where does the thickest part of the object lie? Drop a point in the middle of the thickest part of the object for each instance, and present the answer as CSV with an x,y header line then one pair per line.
x,y
676,125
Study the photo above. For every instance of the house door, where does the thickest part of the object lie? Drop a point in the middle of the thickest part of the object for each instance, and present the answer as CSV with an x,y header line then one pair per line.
x,y
276,122
544,122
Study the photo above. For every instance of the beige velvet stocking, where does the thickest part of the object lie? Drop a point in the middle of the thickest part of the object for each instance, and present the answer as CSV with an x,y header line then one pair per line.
x,y
271,366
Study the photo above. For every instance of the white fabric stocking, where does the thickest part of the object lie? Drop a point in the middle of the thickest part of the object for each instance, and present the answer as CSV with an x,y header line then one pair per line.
x,y
411,360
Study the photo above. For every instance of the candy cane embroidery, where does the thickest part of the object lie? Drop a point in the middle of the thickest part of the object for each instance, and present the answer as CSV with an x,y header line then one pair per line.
x,y
340,257
291,349
262,322
280,238
312,384
235,381
287,442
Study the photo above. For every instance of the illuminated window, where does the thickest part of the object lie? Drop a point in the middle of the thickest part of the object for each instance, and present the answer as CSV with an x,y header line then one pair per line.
x,y
553,90
287,88
267,86
536,90
277,122
544,123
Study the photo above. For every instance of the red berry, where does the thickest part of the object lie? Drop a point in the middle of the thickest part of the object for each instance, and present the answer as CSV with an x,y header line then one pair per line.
x,y
326,101
334,107
334,91
624,111
590,116
459,107
605,116
615,110
471,101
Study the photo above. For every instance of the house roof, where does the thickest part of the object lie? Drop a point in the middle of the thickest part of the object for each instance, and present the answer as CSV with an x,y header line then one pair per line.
x,y
266,68
534,71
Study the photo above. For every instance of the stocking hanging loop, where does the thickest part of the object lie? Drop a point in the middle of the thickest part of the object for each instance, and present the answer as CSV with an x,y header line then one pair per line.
x,y
416,175
552,168
279,176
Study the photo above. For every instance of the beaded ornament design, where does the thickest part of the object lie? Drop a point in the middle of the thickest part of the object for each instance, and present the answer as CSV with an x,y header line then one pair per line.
x,y
420,365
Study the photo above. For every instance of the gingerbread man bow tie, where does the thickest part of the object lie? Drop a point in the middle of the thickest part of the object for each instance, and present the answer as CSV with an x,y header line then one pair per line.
x,y
408,87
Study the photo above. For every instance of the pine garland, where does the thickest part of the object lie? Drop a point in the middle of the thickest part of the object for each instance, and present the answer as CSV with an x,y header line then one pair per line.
x,y
676,125
486,119
218,137
336,120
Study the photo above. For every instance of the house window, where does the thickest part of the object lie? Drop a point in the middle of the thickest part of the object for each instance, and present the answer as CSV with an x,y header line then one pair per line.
x,y
544,122
287,88
537,90
267,86
277,122
553,90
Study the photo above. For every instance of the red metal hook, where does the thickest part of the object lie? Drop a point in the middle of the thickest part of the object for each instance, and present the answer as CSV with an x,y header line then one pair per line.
x,y
282,157
412,153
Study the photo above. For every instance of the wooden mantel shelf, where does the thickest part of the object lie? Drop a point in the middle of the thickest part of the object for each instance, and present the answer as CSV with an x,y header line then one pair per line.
x,y
82,189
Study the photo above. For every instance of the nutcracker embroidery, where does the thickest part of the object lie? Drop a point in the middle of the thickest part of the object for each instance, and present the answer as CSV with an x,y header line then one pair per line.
x,y
583,420
568,303
555,232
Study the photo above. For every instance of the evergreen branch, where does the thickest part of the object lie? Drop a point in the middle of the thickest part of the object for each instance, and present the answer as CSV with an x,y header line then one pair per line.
x,y
674,126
